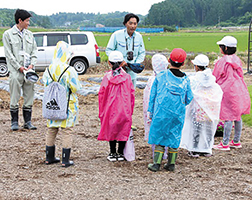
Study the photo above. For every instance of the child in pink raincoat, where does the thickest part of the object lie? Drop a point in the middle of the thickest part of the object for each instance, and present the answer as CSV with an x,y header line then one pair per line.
x,y
236,101
116,104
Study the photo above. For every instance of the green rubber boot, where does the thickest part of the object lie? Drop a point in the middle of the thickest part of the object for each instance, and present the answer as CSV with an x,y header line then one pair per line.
x,y
172,156
158,156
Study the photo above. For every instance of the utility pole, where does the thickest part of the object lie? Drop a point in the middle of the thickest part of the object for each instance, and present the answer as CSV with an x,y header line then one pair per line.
x,y
249,49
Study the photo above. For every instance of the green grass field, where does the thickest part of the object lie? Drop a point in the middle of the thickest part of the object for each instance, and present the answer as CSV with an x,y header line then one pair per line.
x,y
190,42
247,119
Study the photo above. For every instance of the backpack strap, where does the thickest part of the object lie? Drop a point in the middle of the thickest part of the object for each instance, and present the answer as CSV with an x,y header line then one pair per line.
x,y
63,73
60,74
49,73
70,92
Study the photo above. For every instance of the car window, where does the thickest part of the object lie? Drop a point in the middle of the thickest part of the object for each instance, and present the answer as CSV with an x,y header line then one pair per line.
x,y
39,40
53,39
78,39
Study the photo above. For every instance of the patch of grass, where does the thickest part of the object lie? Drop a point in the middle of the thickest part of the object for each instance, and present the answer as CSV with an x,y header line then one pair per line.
x,y
247,119
104,57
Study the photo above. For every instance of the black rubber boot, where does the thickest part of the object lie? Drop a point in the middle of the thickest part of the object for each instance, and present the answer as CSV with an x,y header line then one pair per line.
x,y
14,119
172,156
27,112
65,157
50,155
158,157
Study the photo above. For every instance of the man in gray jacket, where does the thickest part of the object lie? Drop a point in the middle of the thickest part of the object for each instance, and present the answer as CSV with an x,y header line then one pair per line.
x,y
20,51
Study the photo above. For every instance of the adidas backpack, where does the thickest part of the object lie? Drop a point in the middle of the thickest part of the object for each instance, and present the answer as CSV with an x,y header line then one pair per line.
x,y
55,103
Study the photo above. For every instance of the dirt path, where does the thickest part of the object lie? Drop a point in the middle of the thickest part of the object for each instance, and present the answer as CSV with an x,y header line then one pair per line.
x,y
23,174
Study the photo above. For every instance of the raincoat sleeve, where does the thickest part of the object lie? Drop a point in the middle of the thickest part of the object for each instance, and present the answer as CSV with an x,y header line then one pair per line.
x,y
218,70
189,94
46,78
74,83
101,96
153,95
132,93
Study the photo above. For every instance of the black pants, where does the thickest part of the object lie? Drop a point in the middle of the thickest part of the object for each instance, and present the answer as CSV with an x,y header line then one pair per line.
x,y
121,146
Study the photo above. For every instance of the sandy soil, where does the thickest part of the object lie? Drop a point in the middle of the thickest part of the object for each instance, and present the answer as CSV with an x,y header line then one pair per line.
x,y
23,174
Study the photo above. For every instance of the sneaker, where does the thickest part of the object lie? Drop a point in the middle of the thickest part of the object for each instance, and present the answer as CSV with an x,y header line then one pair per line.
x,y
237,145
120,157
193,154
112,157
221,147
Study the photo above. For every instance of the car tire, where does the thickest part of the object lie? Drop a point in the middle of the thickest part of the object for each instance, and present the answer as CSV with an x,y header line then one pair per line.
x,y
3,69
79,65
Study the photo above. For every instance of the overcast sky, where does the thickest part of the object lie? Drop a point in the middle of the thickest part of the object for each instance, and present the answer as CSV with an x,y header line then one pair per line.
x,y
48,7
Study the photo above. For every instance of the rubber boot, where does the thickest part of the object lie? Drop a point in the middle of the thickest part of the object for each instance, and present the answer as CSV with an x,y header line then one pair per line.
x,y
50,155
158,157
172,156
27,112
65,157
14,119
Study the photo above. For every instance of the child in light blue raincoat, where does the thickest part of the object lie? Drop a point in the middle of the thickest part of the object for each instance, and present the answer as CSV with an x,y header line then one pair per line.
x,y
170,93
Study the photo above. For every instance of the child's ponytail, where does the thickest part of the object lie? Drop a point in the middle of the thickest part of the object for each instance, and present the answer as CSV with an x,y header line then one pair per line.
x,y
115,65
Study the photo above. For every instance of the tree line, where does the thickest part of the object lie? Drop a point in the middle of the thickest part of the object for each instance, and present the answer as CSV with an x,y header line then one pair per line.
x,y
7,19
187,13
168,13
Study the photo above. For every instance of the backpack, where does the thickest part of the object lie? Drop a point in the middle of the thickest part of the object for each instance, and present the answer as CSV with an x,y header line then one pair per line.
x,y
55,103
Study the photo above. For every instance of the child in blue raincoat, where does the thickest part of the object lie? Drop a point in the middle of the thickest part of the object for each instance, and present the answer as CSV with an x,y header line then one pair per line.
x,y
170,93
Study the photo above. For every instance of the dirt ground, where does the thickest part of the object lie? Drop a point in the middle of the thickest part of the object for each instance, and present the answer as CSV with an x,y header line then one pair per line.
x,y
23,174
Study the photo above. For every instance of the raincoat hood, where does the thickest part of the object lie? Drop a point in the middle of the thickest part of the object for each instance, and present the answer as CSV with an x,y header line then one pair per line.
x,y
205,78
62,54
159,63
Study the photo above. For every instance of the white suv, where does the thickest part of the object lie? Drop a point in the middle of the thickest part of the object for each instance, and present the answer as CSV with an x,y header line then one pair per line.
x,y
83,45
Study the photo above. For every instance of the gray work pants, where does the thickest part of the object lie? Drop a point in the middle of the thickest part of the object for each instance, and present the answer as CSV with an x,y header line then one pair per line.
x,y
17,82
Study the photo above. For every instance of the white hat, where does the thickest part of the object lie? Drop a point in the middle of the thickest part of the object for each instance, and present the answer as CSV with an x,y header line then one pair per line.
x,y
201,60
228,41
159,62
115,56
